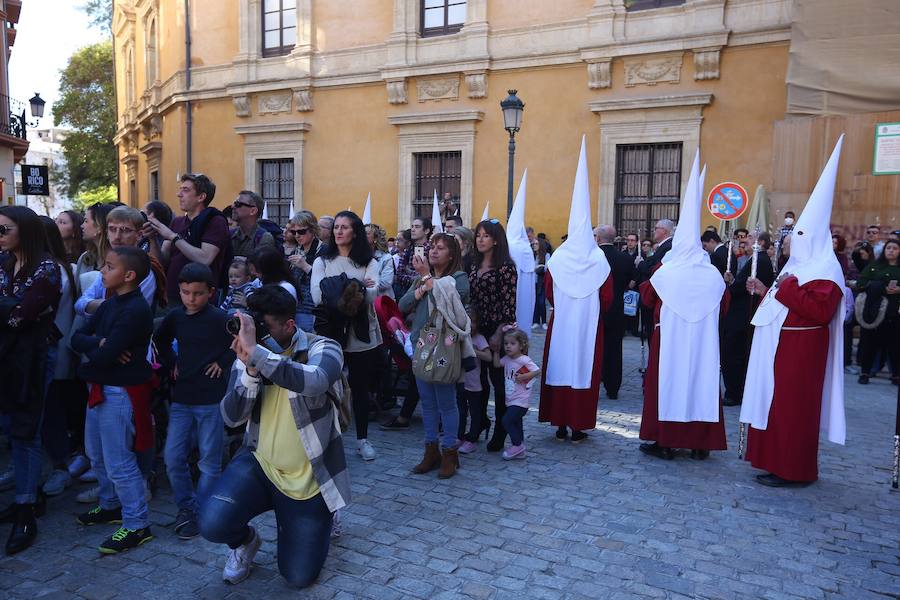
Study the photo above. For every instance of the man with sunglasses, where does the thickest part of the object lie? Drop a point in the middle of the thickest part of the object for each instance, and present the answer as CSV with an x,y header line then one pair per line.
x,y
873,237
248,236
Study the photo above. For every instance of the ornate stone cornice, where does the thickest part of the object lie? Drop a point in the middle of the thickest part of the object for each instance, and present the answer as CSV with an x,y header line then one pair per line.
x,y
674,100
443,116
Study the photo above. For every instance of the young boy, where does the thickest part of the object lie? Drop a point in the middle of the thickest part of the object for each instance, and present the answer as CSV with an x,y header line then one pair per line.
x,y
240,285
118,422
204,354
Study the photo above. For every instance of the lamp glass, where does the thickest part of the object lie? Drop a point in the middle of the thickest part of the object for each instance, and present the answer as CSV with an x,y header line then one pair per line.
x,y
37,106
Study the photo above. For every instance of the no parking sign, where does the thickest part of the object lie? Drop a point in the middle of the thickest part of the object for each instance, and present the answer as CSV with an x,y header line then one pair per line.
x,y
727,201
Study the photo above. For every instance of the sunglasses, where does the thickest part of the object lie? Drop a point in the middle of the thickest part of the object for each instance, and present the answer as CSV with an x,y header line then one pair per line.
x,y
494,221
302,231
238,204
6,229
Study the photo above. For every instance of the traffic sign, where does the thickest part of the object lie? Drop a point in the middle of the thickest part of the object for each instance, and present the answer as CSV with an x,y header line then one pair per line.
x,y
727,201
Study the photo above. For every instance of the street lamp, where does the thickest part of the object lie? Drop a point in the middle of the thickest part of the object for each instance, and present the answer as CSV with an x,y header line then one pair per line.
x,y
512,109
37,106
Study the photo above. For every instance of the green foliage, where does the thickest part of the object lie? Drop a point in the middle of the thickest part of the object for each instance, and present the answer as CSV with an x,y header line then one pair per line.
x,y
89,197
87,105
100,13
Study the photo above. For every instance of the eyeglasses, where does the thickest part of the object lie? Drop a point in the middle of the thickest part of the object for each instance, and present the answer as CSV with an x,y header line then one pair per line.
x,y
113,230
6,229
238,204
302,231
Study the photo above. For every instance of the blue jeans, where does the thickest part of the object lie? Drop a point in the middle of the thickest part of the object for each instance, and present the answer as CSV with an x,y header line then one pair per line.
x,y
28,455
512,420
243,492
439,406
109,442
210,428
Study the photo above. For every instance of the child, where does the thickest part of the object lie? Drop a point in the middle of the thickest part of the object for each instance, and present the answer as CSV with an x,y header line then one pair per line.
x,y
518,373
114,343
240,285
471,404
204,354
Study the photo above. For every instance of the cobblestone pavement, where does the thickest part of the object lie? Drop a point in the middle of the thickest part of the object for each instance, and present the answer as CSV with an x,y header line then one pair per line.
x,y
597,520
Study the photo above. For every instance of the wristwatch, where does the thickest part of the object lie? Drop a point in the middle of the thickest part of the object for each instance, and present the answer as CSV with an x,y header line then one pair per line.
x,y
176,238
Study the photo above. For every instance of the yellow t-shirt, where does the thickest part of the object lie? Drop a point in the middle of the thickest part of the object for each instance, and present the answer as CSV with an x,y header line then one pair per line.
x,y
280,452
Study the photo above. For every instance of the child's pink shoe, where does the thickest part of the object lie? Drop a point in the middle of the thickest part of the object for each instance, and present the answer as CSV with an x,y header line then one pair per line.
x,y
514,452
468,448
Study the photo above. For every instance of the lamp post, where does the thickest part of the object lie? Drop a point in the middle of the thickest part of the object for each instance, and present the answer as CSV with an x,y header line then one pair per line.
x,y
37,106
512,108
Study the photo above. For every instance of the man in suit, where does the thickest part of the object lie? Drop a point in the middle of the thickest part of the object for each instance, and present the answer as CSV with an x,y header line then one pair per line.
x,y
662,237
633,250
736,328
622,271
718,252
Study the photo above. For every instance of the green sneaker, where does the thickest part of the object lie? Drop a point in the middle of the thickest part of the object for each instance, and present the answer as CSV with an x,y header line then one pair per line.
x,y
125,539
101,516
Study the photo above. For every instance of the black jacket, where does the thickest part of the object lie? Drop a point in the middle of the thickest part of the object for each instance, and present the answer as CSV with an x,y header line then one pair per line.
x,y
126,323
719,259
645,269
621,267
738,315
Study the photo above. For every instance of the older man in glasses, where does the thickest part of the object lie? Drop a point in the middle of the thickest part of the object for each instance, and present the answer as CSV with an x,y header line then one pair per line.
x,y
248,236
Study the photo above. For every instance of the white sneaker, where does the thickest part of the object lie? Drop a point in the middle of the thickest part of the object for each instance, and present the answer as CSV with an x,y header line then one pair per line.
x,y
237,566
89,496
88,476
544,326
79,465
58,481
535,326
365,450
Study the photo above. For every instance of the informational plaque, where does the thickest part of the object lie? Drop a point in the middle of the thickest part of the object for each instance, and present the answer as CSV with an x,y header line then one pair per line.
x,y
887,149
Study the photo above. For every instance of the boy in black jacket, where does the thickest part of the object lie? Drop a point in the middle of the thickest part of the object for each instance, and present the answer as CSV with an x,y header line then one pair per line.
x,y
118,424
204,355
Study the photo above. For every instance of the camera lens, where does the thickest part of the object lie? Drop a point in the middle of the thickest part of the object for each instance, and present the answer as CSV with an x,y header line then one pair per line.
x,y
233,325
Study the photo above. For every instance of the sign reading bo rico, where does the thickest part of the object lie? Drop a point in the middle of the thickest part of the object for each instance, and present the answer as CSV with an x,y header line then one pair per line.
x,y
35,180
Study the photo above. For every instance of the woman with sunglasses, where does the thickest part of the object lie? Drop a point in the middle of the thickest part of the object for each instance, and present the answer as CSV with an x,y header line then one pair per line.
x,y
492,291
303,231
30,289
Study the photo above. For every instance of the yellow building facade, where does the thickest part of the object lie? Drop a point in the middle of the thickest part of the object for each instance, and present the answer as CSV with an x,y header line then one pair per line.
x,y
317,103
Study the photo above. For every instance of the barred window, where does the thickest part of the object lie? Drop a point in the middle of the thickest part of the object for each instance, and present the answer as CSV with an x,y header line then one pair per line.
x,y
648,186
276,186
436,171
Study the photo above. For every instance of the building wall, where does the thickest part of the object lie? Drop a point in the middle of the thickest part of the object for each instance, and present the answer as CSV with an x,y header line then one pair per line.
x,y
349,106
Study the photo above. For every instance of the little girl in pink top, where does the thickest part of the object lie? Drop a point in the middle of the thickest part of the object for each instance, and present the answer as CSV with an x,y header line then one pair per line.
x,y
519,373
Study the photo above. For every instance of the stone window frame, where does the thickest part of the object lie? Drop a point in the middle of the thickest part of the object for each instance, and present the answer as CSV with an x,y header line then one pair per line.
x,y
645,120
250,30
444,131
274,141
151,49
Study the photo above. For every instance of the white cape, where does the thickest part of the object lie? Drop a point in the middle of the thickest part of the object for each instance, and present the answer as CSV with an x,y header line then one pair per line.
x,y
688,368
570,359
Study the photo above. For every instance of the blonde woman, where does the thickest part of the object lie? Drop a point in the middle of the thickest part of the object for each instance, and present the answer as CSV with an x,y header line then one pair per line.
x,y
303,228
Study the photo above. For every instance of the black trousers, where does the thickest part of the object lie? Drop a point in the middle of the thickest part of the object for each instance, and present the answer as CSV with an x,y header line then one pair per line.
x,y
362,367
734,358
613,332
493,376
886,338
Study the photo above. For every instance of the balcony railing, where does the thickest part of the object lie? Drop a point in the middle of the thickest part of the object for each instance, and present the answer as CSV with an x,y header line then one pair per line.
x,y
12,117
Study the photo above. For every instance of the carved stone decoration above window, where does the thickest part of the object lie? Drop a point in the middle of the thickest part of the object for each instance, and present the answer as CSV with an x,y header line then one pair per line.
x,y
477,84
599,74
706,63
274,103
650,71
440,88
241,106
152,127
303,100
396,90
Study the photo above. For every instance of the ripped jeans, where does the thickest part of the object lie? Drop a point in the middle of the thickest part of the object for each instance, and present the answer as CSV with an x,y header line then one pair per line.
x,y
243,492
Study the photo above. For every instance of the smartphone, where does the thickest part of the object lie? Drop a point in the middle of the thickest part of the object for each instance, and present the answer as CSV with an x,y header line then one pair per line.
x,y
892,283
420,251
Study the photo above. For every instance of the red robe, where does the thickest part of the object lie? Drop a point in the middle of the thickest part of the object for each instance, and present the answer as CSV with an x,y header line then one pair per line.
x,y
564,406
694,435
789,445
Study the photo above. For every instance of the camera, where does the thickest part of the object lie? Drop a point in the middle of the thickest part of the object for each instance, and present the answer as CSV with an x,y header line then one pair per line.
x,y
233,325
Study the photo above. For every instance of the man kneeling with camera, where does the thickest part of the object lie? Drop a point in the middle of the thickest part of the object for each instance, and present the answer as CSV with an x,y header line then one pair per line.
x,y
285,386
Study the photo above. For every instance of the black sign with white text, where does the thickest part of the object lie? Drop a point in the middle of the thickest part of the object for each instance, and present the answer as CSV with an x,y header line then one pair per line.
x,y
35,180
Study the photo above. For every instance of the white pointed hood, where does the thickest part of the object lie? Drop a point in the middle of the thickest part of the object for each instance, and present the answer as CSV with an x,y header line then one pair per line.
x,y
578,266
687,282
484,215
519,246
812,258
436,216
367,211
265,212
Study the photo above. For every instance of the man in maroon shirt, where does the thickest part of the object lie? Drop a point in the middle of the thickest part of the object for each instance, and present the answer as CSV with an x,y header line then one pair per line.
x,y
199,236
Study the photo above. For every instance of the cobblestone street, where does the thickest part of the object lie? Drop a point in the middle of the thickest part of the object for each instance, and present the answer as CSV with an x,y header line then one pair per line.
x,y
597,520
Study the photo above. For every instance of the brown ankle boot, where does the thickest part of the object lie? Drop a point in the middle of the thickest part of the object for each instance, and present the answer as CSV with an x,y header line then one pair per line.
x,y
449,463
431,460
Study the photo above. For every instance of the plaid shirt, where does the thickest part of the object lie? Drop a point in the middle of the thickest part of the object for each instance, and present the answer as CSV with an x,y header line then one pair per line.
x,y
312,371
